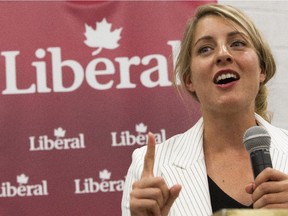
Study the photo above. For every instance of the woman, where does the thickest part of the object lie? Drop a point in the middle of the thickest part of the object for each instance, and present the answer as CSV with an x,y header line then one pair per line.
x,y
224,63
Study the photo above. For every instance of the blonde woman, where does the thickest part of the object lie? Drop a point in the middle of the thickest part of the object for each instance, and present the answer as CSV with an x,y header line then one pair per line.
x,y
224,63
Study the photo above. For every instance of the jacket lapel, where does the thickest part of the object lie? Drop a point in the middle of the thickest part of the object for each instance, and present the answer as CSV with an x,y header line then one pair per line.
x,y
187,168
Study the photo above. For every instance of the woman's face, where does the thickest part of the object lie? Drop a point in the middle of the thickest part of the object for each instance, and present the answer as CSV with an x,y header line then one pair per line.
x,y
225,69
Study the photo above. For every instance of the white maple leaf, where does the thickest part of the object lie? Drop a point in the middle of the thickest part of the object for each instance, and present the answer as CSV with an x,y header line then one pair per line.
x,y
104,174
59,132
102,36
22,179
141,128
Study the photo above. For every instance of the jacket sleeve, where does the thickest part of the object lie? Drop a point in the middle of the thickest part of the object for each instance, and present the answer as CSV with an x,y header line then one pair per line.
x,y
134,174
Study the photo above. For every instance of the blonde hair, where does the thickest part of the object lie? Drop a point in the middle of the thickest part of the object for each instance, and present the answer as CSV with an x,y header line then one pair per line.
x,y
266,59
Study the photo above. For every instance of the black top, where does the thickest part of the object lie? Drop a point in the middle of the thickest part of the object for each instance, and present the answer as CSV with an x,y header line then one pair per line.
x,y
220,200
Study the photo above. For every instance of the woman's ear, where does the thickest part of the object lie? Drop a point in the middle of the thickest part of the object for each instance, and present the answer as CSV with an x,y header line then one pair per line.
x,y
262,76
189,84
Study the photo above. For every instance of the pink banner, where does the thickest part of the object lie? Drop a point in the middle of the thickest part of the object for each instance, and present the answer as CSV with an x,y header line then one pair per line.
x,y
81,85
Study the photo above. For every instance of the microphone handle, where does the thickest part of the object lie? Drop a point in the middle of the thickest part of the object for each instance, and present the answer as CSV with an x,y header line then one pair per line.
x,y
260,160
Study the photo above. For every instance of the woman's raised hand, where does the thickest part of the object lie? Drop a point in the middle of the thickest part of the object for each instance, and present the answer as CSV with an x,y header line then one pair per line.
x,y
151,195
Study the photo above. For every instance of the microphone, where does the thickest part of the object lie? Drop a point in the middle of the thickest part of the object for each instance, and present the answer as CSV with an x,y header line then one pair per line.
x,y
257,142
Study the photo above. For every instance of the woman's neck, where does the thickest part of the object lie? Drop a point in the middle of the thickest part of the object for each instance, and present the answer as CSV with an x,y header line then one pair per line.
x,y
222,132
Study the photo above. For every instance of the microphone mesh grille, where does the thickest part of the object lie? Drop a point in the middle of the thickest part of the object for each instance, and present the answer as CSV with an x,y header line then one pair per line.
x,y
256,138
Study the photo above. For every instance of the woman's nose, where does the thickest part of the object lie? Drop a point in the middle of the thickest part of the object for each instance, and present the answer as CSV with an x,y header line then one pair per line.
x,y
224,56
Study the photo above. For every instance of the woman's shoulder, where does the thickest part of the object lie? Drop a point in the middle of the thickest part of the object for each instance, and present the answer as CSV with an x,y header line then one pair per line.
x,y
279,136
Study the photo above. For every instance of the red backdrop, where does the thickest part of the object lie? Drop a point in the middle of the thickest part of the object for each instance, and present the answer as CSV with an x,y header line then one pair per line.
x,y
81,84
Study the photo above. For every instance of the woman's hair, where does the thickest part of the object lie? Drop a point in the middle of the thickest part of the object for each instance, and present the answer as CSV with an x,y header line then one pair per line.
x,y
266,59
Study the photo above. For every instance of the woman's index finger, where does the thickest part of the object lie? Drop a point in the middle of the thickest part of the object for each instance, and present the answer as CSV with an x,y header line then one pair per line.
x,y
149,156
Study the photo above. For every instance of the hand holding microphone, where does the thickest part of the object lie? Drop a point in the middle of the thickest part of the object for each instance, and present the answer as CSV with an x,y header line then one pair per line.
x,y
270,189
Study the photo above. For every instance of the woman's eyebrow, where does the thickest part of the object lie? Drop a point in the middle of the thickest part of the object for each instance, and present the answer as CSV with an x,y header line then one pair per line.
x,y
230,34
204,38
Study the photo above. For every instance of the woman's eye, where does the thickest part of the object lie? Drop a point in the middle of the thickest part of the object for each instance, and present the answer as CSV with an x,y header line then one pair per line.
x,y
238,44
204,50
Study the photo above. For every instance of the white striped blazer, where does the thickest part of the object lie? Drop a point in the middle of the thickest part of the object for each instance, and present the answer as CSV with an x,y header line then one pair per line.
x,y
180,159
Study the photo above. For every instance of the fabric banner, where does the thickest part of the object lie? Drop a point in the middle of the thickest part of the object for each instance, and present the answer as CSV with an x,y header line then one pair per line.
x,y
81,85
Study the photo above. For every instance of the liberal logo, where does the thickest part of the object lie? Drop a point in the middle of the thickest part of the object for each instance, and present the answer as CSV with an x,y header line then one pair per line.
x,y
126,138
90,185
59,142
23,189
50,61
102,36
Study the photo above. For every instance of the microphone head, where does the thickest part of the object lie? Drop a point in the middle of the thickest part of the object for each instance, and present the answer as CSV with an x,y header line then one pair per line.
x,y
256,138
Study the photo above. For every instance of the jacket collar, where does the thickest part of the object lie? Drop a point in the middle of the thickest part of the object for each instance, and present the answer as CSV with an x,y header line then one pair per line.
x,y
189,148
188,169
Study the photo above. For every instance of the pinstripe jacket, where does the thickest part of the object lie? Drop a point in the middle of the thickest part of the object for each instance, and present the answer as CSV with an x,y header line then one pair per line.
x,y
180,159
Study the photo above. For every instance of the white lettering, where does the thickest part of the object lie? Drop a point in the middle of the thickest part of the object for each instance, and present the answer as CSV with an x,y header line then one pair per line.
x,y
160,71
41,75
175,44
92,72
124,69
88,185
100,73
11,81
46,144
8,190
57,71
127,139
